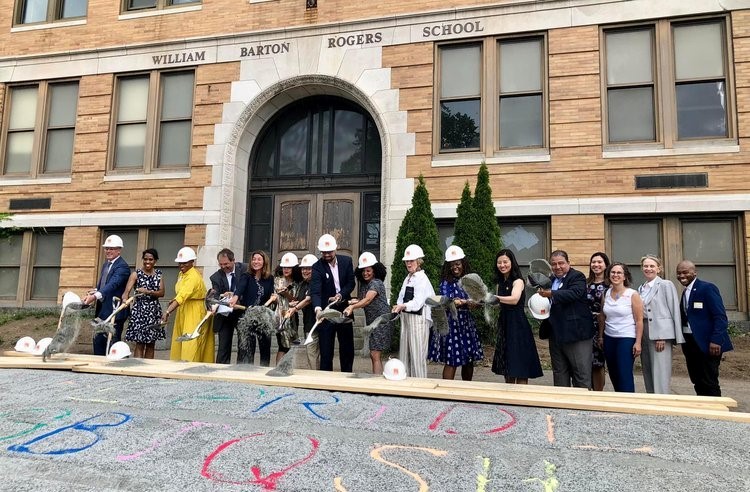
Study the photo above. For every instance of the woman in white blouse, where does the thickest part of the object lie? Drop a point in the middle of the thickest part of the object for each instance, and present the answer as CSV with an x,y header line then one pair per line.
x,y
416,317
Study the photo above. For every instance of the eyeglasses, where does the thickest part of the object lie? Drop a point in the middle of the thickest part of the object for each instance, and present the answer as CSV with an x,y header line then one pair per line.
x,y
616,273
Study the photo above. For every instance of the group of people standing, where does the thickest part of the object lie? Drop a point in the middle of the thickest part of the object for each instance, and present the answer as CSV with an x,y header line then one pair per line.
x,y
627,322
624,322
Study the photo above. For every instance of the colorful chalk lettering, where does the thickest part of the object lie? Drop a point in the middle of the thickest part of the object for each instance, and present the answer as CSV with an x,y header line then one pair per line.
x,y
34,427
509,417
81,426
157,444
376,454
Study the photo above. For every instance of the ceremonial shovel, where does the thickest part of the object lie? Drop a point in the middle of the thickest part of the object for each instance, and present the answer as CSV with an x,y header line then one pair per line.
x,y
213,305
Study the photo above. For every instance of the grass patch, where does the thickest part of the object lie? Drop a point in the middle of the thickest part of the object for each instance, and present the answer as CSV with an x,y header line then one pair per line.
x,y
14,314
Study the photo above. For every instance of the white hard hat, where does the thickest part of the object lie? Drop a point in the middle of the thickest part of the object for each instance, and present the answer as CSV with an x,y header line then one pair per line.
x,y
327,243
412,252
113,241
366,259
308,261
394,370
539,306
454,253
289,260
41,346
118,350
185,254
25,344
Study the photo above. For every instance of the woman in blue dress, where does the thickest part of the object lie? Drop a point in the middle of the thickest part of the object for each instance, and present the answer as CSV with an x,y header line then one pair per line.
x,y
144,327
516,356
461,346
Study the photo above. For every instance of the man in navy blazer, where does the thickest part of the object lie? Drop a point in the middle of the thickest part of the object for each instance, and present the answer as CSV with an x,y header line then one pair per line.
x,y
705,326
333,280
226,279
570,323
112,281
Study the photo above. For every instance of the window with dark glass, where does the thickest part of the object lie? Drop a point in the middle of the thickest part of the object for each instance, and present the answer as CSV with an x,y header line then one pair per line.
x,y
30,267
460,97
140,5
316,137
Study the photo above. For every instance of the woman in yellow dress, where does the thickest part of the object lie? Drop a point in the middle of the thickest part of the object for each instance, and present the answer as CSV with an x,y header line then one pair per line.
x,y
189,302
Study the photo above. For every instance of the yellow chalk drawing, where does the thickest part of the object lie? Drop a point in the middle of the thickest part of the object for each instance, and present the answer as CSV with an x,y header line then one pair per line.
x,y
376,455
338,485
550,483
482,479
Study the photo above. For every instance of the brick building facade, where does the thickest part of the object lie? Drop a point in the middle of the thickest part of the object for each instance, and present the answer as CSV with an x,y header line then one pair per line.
x,y
617,126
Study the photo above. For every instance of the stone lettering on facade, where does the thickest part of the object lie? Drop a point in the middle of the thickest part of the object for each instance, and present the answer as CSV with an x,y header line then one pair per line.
x,y
184,57
452,28
264,49
355,40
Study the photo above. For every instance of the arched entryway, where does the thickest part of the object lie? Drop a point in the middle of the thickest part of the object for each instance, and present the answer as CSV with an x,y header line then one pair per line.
x,y
315,168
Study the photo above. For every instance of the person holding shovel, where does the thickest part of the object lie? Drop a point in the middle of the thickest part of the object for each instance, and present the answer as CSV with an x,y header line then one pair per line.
x,y
144,327
189,302
112,280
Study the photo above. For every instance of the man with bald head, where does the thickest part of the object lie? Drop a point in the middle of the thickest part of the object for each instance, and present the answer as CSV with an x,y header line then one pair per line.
x,y
704,324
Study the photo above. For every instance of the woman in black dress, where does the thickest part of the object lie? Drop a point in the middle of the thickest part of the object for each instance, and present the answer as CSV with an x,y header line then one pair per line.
x,y
516,356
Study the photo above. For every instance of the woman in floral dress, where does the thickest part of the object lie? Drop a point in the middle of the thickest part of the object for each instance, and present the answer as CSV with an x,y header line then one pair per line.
x,y
597,285
461,346
144,328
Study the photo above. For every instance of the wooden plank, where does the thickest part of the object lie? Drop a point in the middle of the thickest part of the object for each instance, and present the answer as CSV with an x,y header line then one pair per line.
x,y
36,363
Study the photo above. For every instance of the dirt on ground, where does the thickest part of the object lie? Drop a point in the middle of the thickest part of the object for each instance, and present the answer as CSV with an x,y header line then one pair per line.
x,y
734,365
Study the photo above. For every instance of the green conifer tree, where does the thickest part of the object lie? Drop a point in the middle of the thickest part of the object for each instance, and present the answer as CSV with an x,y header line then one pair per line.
x,y
483,258
418,227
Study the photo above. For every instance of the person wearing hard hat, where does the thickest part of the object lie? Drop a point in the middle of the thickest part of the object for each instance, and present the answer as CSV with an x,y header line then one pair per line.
x,y
113,278
516,356
569,324
287,284
332,284
189,302
416,316
370,274
461,346
305,307
225,281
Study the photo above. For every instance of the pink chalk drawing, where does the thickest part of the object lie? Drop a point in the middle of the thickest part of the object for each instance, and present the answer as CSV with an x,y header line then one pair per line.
x,y
157,444
267,482
510,420
379,413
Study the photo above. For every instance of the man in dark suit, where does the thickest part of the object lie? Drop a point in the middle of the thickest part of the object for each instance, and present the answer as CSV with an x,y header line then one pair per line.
x,y
705,326
333,280
112,281
570,324
225,281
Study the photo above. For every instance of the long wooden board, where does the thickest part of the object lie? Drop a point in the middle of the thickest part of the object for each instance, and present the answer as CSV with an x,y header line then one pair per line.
x,y
465,391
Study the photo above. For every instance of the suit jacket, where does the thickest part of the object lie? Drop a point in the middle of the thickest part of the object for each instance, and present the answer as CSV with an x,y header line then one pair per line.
x,y
661,309
247,291
322,286
707,316
220,285
570,315
114,286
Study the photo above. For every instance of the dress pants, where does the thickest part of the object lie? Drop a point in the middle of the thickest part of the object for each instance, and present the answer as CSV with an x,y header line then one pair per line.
x,y
571,363
264,349
618,352
100,339
327,334
413,344
224,345
702,368
657,366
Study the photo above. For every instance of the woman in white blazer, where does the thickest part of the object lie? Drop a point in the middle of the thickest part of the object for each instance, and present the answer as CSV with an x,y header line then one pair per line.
x,y
662,327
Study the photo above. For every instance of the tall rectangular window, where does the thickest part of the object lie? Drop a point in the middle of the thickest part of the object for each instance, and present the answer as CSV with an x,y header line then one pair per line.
x,y
630,85
37,11
153,121
460,97
521,82
30,267
39,133
666,83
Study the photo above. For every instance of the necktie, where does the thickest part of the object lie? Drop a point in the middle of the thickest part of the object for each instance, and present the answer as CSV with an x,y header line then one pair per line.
x,y
231,281
683,309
